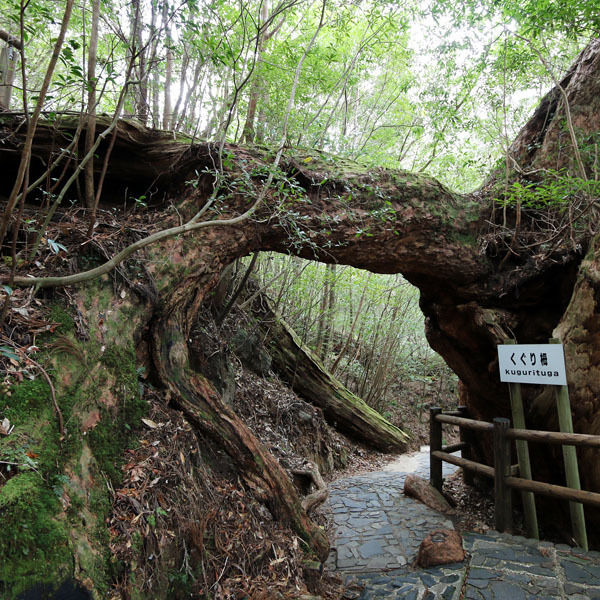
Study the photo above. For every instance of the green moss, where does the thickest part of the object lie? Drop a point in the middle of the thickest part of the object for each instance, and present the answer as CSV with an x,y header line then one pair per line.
x,y
113,433
28,406
34,545
59,315
26,400
45,537
466,239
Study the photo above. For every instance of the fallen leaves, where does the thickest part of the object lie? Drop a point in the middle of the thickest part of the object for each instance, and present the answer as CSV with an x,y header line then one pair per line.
x,y
227,543
150,423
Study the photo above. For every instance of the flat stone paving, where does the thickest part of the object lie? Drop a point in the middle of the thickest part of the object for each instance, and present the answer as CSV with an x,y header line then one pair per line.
x,y
378,531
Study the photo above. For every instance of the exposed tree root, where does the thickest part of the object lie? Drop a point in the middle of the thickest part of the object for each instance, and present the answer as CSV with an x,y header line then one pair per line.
x,y
316,498
205,410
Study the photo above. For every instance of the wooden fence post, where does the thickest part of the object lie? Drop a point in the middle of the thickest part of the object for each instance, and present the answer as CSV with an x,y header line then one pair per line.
x,y
518,415
466,436
502,493
565,422
435,444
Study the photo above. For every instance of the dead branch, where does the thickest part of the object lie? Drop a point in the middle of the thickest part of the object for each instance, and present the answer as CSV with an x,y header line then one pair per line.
x,y
310,502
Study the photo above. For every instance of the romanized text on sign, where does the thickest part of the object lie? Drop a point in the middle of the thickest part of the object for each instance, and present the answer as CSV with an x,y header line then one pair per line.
x,y
532,363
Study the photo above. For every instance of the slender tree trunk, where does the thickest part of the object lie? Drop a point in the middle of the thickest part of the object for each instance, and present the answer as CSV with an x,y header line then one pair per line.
x,y
322,314
8,60
351,332
260,128
189,107
168,110
140,91
90,133
327,334
152,72
33,121
182,83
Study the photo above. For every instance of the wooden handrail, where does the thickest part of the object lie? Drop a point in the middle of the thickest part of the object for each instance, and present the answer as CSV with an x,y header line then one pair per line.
x,y
554,491
555,437
465,463
455,447
507,474
466,423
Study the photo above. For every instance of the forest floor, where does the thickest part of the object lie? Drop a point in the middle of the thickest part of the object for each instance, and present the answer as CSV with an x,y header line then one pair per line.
x,y
229,536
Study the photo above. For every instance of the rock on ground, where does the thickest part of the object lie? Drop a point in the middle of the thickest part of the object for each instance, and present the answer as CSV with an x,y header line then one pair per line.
x,y
442,547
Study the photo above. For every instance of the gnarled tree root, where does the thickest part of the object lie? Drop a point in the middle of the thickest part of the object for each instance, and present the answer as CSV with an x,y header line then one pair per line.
x,y
204,409
316,498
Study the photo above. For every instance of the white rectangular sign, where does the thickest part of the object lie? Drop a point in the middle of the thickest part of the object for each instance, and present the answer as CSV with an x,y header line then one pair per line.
x,y
532,363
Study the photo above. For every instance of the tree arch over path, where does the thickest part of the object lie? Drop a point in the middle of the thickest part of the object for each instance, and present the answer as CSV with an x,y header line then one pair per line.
x,y
486,271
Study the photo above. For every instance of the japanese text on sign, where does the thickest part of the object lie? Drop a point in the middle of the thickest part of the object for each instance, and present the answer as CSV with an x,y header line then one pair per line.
x,y
532,363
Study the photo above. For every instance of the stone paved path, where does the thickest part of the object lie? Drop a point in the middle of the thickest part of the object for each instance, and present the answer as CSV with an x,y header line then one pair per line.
x,y
378,532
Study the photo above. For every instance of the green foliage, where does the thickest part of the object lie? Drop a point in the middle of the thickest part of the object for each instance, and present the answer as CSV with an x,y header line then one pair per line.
x,y
554,191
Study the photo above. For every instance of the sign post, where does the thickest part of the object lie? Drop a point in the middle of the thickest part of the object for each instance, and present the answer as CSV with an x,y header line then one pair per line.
x,y
532,363
518,415
541,364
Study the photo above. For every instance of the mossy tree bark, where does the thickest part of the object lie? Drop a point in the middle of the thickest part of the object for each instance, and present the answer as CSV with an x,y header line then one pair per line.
x,y
306,374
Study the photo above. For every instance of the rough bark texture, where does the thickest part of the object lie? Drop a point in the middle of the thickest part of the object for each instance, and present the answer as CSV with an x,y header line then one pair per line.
x,y
579,329
307,376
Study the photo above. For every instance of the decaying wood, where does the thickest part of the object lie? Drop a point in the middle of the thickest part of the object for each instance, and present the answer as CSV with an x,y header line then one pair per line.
x,y
306,374
316,498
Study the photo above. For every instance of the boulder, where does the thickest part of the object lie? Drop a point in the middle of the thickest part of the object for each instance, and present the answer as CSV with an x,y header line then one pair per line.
x,y
440,547
419,489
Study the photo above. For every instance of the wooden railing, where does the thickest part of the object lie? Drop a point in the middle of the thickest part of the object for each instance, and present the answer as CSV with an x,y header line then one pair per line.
x,y
503,473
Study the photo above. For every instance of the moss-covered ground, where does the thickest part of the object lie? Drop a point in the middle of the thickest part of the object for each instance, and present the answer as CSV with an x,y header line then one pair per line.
x,y
53,492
